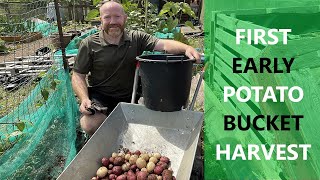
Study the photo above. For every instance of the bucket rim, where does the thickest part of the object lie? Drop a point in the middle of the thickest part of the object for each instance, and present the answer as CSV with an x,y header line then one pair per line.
x,y
142,59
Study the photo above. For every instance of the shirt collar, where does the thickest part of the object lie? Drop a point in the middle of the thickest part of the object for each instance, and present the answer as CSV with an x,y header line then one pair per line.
x,y
125,37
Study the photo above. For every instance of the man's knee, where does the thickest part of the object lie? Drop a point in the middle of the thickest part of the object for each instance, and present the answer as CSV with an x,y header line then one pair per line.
x,y
90,123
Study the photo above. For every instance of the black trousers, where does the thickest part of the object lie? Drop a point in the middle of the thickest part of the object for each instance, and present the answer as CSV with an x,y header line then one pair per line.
x,y
107,101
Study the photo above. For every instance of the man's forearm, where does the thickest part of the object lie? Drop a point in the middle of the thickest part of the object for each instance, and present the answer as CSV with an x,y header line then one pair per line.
x,y
174,47
79,86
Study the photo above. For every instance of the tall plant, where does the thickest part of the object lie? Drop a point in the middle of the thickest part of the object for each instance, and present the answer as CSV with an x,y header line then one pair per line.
x,y
170,17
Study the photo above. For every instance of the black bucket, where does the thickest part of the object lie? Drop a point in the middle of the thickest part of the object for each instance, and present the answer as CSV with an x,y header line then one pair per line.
x,y
166,81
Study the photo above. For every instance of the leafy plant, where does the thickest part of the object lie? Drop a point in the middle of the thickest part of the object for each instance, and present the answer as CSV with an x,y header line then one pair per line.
x,y
170,16
9,139
3,48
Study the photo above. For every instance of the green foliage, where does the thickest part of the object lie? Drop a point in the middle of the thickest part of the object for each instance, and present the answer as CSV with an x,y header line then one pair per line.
x,y
16,26
7,140
93,14
49,87
3,48
170,17
137,19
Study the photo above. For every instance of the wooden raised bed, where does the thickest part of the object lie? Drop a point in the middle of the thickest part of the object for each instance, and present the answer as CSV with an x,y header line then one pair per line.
x,y
30,37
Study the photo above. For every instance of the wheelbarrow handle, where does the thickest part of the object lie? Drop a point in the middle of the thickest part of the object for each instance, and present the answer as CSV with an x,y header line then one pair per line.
x,y
135,83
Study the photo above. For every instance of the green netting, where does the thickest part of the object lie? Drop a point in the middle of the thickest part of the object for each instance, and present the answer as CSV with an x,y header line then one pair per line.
x,y
48,144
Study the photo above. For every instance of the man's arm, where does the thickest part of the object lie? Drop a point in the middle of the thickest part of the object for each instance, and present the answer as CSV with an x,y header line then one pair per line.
x,y
175,47
80,87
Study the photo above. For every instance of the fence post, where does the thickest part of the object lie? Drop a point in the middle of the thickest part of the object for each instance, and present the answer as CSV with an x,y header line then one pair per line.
x,y
64,58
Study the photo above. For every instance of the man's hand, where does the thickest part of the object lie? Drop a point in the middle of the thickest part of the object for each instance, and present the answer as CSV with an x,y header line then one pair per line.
x,y
193,54
85,104
175,47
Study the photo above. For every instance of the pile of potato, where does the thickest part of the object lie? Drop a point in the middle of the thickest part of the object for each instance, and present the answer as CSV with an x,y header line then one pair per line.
x,y
135,166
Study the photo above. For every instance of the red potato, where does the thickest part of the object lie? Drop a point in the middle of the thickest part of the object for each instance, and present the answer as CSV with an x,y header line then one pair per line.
x,y
162,164
122,177
158,170
111,159
167,175
112,176
105,161
165,159
130,172
137,152
118,161
133,167
142,175
117,170
152,177
132,177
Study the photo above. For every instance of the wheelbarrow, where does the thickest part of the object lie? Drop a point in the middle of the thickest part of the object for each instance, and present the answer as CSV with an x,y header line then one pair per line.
x,y
135,127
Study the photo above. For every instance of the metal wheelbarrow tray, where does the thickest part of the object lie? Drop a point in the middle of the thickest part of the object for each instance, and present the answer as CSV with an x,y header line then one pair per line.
x,y
132,126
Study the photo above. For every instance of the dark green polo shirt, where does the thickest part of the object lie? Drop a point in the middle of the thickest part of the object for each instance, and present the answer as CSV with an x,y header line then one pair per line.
x,y
111,67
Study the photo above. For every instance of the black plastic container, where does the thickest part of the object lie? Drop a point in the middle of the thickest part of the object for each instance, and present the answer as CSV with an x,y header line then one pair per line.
x,y
166,81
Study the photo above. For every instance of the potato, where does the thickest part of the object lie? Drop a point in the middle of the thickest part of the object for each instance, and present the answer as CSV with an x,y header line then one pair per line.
x,y
112,176
165,159
150,166
133,159
141,175
122,177
159,177
162,164
133,167
94,178
127,157
145,157
153,159
167,175
117,170
114,155
173,178
110,171
130,172
157,155
102,172
132,177
158,170
152,177
111,160
110,166
137,152
141,163
105,161
118,161
125,167
144,169
121,155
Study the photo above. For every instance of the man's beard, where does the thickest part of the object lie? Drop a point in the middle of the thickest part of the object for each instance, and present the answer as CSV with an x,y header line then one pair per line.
x,y
114,30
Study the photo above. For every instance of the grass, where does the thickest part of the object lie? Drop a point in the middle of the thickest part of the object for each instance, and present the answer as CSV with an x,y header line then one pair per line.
x,y
9,100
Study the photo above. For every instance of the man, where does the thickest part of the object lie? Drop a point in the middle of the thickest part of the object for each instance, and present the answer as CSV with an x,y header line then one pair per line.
x,y
109,58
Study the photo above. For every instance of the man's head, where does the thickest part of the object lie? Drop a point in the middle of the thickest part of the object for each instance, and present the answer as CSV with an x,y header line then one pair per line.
x,y
113,18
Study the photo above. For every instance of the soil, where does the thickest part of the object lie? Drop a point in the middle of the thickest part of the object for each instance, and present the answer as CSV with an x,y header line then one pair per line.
x,y
23,49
